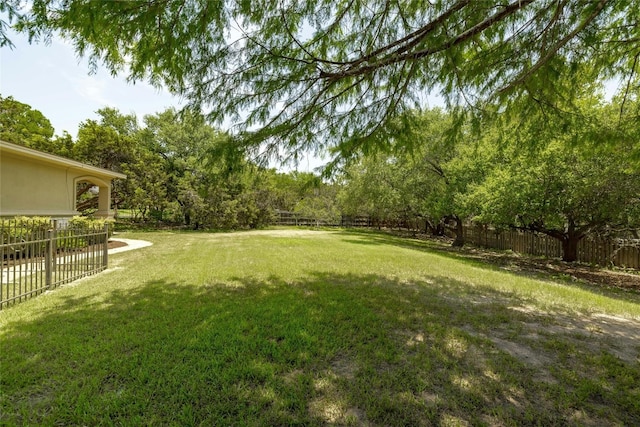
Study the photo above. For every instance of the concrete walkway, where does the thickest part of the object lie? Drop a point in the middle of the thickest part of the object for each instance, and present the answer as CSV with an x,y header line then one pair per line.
x,y
12,273
131,245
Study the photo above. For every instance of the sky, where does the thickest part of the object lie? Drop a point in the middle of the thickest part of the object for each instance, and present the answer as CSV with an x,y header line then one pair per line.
x,y
52,78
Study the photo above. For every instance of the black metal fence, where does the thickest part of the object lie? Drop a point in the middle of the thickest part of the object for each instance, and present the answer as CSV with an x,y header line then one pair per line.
x,y
38,255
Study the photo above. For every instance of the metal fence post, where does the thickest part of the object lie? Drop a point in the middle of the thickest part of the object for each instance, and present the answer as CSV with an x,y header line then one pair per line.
x,y
105,258
48,259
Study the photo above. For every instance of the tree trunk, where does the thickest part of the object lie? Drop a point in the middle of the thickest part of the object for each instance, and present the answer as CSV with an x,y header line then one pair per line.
x,y
434,229
570,248
458,242
570,242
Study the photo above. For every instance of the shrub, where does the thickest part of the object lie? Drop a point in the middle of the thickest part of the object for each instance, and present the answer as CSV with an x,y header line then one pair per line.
x,y
23,236
26,236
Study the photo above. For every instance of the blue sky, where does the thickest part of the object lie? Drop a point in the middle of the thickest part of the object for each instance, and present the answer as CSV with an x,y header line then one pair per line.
x,y
52,79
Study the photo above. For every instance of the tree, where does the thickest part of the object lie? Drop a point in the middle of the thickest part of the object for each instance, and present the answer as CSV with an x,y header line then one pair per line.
x,y
423,175
205,181
427,152
372,186
9,9
108,143
328,73
181,143
63,145
574,183
316,199
146,191
21,124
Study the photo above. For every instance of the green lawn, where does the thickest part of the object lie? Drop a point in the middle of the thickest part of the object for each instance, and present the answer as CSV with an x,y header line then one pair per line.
x,y
308,327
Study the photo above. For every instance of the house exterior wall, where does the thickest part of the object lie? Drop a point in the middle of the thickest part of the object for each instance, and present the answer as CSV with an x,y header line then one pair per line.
x,y
28,188
34,183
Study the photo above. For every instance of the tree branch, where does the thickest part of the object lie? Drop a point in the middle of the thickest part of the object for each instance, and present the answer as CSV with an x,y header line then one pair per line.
x,y
628,86
554,49
401,54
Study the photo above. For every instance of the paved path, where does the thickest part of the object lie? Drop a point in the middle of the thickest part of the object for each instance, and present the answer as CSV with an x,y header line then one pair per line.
x,y
14,272
131,245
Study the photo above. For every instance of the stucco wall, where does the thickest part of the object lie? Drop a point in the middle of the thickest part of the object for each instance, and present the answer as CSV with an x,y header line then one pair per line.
x,y
36,183
28,188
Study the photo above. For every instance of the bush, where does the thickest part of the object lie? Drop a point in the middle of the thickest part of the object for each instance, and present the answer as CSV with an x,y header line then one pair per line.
x,y
23,236
26,236
85,225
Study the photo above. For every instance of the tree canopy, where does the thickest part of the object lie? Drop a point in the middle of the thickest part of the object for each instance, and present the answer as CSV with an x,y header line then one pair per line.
x,y
21,124
580,178
331,73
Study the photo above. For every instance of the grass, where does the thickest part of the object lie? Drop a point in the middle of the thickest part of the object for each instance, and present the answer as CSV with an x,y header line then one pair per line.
x,y
315,328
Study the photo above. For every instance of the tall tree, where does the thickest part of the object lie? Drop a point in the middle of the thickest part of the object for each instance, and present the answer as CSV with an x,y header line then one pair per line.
x,y
146,184
21,124
423,175
316,199
374,186
181,143
9,10
318,73
108,142
573,183
427,149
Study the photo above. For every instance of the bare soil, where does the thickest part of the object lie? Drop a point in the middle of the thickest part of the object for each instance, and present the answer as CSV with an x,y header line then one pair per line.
x,y
112,244
598,332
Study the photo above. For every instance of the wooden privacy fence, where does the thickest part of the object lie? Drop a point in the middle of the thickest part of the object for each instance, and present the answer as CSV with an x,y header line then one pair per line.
x,y
40,255
356,221
591,249
293,218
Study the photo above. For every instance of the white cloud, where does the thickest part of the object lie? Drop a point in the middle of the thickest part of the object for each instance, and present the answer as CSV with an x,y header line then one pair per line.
x,y
91,88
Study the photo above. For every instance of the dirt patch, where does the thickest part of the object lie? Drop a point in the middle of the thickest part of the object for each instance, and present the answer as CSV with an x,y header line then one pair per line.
x,y
331,404
522,352
601,333
112,244
344,368
629,281
625,280
292,377
595,334
578,272
335,412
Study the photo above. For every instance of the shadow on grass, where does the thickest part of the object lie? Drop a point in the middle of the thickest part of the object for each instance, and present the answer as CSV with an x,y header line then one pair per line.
x,y
333,349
